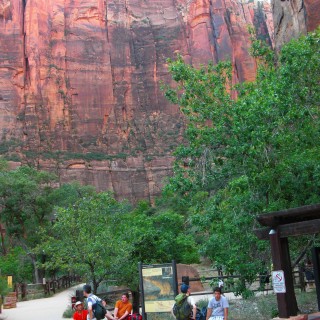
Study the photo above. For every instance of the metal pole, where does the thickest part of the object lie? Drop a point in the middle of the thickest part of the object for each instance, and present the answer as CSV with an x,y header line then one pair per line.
x,y
175,277
144,315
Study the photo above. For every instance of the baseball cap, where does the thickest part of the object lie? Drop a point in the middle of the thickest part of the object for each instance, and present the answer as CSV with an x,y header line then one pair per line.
x,y
184,288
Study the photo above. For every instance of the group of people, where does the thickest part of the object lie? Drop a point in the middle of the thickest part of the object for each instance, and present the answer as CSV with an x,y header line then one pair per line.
x,y
122,308
217,309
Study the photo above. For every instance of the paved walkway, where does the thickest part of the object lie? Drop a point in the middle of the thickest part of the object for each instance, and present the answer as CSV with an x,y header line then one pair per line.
x,y
48,308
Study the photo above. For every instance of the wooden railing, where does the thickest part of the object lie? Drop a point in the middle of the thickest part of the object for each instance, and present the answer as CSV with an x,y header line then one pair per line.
x,y
261,283
32,291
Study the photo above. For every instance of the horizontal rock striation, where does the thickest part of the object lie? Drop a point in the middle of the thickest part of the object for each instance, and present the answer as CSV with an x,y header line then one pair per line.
x,y
80,82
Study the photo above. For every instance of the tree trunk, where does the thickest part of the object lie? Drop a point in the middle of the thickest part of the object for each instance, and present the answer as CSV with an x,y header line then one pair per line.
x,y
95,282
35,269
2,230
95,286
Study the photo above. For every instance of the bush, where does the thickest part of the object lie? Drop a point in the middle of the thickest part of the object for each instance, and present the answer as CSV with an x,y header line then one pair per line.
x,y
3,286
68,313
202,303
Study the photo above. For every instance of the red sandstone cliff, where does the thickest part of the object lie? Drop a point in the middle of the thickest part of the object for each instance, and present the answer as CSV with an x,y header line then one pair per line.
x,y
79,82
293,18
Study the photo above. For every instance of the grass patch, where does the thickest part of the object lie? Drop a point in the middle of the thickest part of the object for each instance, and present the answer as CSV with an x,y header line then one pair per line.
x,y
265,307
160,316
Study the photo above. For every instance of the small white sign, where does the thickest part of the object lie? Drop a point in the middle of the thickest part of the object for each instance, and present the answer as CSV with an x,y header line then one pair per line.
x,y
278,282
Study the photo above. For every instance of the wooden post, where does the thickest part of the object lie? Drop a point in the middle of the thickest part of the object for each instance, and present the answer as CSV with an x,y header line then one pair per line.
x,y
144,315
301,280
24,291
287,303
316,271
3,234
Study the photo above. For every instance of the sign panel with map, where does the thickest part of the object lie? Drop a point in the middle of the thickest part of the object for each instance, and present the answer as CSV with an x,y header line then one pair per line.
x,y
159,287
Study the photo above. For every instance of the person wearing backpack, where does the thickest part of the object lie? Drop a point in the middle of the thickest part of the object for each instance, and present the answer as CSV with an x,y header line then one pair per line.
x,y
96,309
184,307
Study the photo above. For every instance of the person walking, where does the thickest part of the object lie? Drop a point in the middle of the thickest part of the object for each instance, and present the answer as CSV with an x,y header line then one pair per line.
x,y
92,300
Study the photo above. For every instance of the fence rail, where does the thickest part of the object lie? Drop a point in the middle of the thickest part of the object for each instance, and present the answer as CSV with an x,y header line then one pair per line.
x,y
262,282
31,291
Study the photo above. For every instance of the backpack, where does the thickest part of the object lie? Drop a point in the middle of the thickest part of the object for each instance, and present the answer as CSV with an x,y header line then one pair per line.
x,y
182,310
99,310
135,316
201,314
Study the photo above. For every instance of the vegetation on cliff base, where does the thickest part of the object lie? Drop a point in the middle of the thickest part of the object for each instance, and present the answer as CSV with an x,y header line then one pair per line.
x,y
104,239
257,153
54,230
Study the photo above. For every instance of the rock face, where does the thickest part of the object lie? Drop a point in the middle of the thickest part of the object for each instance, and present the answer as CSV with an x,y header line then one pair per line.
x,y
293,18
80,82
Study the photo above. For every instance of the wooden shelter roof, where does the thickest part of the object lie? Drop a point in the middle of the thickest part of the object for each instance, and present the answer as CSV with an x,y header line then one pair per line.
x,y
291,222
277,218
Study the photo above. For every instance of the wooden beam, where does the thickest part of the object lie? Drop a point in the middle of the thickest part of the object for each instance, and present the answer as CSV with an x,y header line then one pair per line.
x,y
277,218
300,228
292,229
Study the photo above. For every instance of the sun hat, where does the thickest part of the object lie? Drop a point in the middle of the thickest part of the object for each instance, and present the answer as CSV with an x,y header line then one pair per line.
x,y
77,303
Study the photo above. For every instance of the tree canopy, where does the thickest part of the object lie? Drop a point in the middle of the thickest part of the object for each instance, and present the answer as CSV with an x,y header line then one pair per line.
x,y
255,153
103,239
86,238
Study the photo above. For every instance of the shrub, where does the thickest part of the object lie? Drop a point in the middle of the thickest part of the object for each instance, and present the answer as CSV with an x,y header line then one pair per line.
x,y
68,313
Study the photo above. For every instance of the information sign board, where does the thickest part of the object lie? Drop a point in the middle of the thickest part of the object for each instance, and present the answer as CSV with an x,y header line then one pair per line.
x,y
159,287
10,282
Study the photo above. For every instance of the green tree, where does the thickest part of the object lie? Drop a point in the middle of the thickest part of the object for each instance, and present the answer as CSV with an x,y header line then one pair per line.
x,y
3,287
70,193
156,235
161,237
87,238
25,201
257,153
16,264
